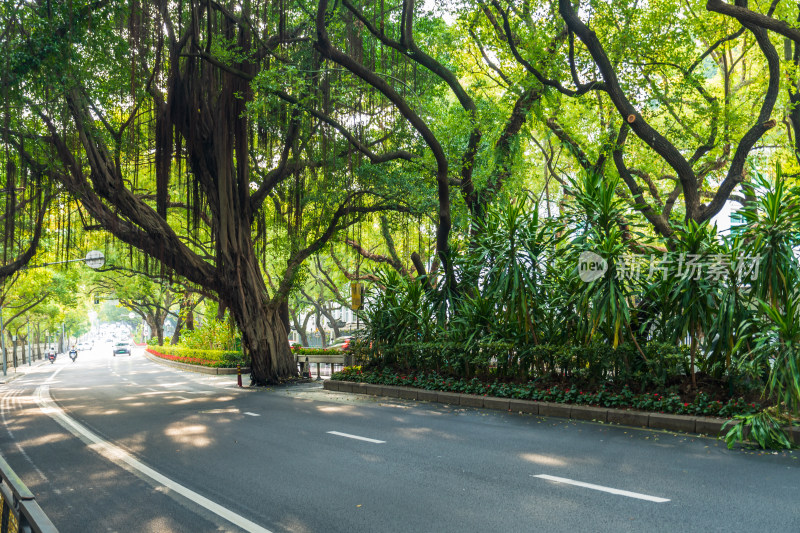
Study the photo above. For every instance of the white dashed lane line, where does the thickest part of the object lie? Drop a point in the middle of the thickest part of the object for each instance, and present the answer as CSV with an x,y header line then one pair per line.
x,y
601,488
356,437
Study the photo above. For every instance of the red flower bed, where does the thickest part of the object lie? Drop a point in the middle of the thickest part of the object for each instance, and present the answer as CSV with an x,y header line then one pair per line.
x,y
189,360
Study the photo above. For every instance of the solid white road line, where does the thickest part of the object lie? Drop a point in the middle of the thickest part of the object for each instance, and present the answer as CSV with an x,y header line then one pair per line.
x,y
349,436
117,455
602,488
248,413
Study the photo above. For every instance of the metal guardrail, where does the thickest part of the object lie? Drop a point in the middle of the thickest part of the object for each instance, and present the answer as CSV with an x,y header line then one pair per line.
x,y
305,361
20,512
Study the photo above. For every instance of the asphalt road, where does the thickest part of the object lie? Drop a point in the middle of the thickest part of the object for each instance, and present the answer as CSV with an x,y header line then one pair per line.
x,y
127,445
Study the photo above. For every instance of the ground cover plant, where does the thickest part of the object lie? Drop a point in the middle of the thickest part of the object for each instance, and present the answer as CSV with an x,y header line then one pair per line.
x,y
701,404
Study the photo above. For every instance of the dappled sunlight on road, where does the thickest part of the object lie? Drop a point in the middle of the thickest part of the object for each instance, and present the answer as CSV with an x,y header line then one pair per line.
x,y
44,440
372,458
544,460
190,435
158,524
173,384
293,524
339,409
229,410
223,398
421,433
182,401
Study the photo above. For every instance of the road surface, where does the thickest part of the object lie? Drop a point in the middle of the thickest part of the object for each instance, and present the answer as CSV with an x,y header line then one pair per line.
x,y
122,444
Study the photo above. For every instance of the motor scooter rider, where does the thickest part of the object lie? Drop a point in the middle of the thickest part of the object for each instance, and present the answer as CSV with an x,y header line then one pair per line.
x,y
73,353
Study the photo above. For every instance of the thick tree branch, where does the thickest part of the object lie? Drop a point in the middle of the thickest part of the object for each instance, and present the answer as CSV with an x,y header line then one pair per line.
x,y
763,122
638,124
659,222
326,48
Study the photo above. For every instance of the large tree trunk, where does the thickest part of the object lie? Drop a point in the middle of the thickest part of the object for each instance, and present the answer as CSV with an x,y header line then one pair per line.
x,y
156,328
176,335
264,336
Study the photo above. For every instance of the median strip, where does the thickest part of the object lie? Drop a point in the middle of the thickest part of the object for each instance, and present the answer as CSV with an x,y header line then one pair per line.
x,y
601,488
356,437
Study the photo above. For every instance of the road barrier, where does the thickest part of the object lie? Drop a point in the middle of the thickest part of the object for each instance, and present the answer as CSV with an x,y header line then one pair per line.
x,y
305,361
20,512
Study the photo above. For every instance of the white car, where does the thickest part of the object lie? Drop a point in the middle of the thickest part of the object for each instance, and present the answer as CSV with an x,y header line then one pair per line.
x,y
121,348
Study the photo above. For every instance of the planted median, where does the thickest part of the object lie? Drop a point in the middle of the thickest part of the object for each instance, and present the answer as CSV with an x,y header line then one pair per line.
x,y
194,356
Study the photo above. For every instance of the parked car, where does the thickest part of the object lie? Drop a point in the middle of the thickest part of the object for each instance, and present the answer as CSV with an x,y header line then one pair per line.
x,y
121,348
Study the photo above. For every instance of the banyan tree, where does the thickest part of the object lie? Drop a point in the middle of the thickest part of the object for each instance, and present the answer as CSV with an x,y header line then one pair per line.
x,y
213,139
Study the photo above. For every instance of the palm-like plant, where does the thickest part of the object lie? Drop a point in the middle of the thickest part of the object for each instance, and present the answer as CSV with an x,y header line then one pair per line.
x,y
735,307
508,263
401,313
692,295
781,345
772,230
598,215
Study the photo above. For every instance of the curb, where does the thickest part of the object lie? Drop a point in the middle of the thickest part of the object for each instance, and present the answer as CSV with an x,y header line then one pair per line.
x,y
709,426
193,368
16,375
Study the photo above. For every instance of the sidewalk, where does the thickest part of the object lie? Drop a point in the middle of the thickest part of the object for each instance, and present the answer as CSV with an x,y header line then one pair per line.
x,y
14,373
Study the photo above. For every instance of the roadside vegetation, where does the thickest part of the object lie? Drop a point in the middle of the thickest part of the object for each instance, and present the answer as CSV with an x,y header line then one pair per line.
x,y
705,324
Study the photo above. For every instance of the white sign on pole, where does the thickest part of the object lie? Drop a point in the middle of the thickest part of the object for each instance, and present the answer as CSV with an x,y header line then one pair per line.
x,y
94,259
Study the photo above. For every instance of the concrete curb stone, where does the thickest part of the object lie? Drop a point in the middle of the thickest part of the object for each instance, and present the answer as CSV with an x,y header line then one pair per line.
x,y
628,418
470,400
492,402
392,391
408,393
375,390
794,435
560,410
360,388
427,395
672,422
452,398
710,426
523,406
585,412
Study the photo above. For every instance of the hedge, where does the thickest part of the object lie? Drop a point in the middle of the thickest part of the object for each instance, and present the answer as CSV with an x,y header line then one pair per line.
x,y
316,351
193,356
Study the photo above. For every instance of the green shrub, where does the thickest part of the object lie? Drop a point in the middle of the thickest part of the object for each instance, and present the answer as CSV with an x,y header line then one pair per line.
x,y
316,351
667,402
214,335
